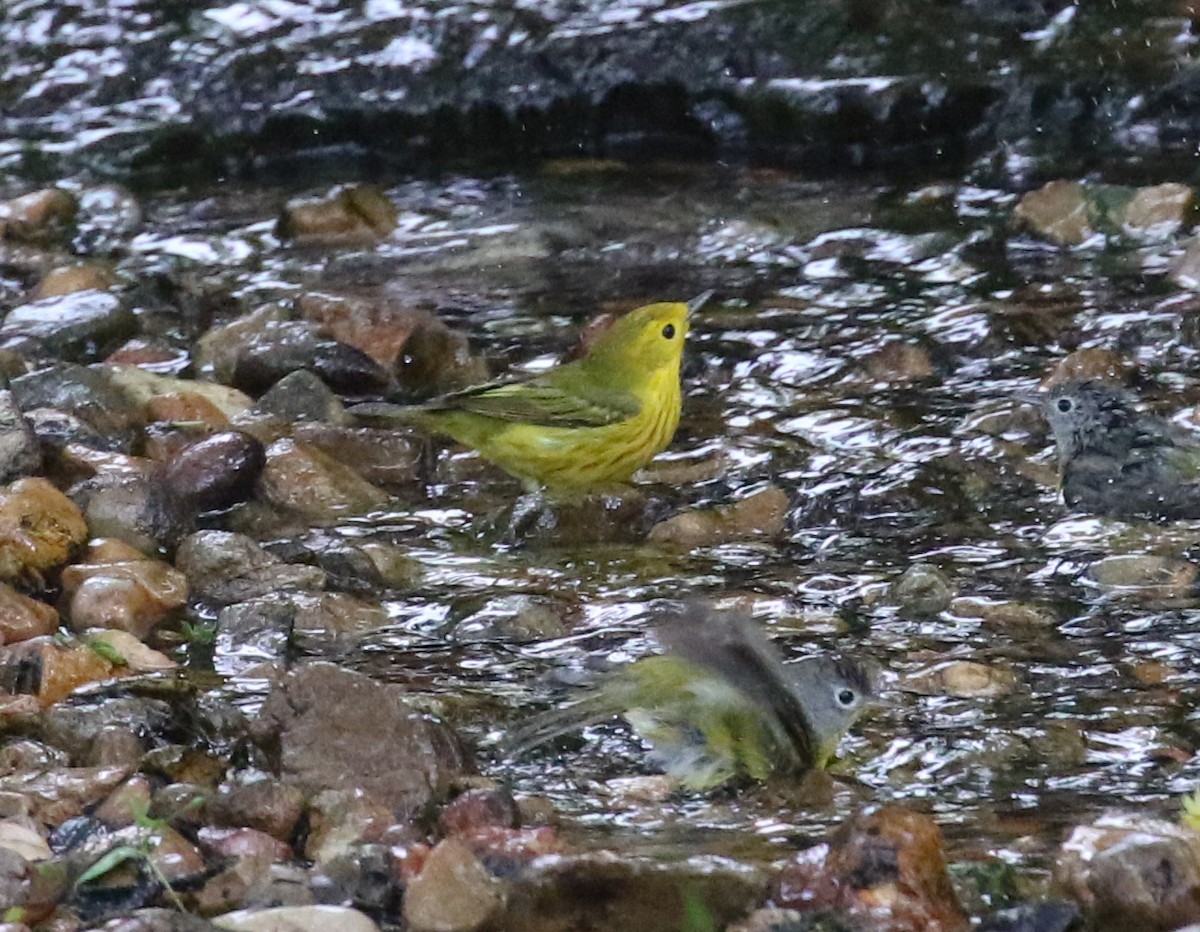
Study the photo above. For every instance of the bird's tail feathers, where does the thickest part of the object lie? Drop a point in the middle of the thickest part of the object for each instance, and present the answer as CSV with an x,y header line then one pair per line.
x,y
549,725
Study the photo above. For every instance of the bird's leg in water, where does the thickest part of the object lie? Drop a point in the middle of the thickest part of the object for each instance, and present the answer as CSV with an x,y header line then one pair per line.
x,y
529,511
427,465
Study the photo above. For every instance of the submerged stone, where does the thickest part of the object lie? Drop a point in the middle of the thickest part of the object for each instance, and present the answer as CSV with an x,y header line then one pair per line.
x,y
340,730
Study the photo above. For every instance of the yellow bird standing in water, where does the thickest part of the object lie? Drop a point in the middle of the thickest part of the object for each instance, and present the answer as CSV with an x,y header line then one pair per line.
x,y
581,425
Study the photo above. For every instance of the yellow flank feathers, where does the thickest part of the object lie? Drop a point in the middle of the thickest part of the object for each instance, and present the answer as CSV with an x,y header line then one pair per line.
x,y
581,425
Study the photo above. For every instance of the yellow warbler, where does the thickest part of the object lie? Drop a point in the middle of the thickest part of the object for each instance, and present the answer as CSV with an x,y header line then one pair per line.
x,y
580,425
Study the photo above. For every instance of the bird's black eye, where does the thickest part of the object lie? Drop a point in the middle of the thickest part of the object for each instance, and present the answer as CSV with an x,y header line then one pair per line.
x,y
1064,405
669,331
846,697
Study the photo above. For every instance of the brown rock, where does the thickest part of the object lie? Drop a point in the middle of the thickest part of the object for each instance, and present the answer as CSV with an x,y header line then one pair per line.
x,y
185,408
1147,576
609,892
148,353
269,806
378,329
297,919
130,653
1132,872
341,819
341,730
215,472
963,679
1059,211
476,809
1003,614
437,359
22,618
1091,362
218,350
131,596
227,568
67,279
898,362
759,515
382,457
54,669
56,795
310,483
38,216
39,528
884,870
350,215
242,843
1157,211
125,803
453,893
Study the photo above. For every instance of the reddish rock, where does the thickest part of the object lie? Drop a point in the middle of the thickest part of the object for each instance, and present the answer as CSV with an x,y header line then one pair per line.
x,y
885,870
349,215
22,618
476,809
54,669
67,279
57,794
759,515
317,486
453,893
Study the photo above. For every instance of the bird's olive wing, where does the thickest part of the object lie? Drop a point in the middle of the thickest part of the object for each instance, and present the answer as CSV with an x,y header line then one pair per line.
x,y
730,645
543,403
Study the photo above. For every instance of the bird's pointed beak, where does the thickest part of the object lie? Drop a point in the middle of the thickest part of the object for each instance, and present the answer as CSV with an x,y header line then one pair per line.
x,y
698,302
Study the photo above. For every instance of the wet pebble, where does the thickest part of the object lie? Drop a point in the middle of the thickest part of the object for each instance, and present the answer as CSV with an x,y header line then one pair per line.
x,y
1003,613
22,837
1146,575
58,794
303,480
266,626
20,452
39,216
133,509
39,528
50,669
218,349
215,472
226,568
326,723
242,843
296,919
349,215
454,892
922,591
388,458
437,359
302,396
627,892
898,363
883,870
162,397
1131,871
130,593
479,808
282,348
129,652
265,804
22,618
125,803
1091,362
761,514
68,279
86,393
519,618
68,325
962,679
339,820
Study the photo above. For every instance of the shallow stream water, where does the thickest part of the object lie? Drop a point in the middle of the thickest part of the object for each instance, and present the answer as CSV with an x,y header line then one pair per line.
x,y
784,383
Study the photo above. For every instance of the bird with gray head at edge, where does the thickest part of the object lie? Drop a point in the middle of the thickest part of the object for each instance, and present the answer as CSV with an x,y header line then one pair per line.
x,y
720,704
1116,460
